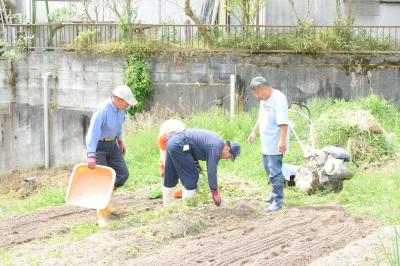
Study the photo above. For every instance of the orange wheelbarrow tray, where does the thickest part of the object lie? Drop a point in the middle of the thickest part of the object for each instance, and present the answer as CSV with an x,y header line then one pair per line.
x,y
90,188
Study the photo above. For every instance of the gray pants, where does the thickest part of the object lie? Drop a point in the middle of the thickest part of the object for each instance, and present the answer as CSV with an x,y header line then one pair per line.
x,y
109,154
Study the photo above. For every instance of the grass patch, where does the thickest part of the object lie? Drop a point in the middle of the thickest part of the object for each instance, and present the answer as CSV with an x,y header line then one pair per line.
x,y
81,231
155,193
142,158
10,206
6,258
373,194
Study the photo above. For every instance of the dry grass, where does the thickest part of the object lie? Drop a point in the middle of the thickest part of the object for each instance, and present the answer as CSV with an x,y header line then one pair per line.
x,y
148,119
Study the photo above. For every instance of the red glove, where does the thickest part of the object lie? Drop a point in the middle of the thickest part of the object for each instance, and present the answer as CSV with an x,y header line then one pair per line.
x,y
162,169
216,197
121,146
91,162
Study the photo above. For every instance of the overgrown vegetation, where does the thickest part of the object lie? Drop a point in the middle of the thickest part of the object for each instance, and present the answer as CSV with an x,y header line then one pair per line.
x,y
305,39
348,125
86,39
137,76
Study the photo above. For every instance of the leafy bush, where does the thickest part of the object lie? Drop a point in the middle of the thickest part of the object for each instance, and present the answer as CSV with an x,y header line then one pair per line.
x,y
137,76
86,39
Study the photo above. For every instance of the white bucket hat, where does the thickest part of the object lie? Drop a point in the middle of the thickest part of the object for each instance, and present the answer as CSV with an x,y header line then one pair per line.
x,y
125,93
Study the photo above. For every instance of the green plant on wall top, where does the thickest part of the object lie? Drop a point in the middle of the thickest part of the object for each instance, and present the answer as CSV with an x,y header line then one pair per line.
x,y
12,56
86,39
137,76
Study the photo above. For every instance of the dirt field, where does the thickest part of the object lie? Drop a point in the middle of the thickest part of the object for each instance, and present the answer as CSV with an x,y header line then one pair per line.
x,y
22,184
238,233
294,236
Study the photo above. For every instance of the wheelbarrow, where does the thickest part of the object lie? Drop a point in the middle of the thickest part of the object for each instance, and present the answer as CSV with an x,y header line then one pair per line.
x,y
90,188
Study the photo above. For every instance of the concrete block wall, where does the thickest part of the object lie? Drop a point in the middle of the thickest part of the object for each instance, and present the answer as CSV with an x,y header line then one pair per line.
x,y
78,81
22,137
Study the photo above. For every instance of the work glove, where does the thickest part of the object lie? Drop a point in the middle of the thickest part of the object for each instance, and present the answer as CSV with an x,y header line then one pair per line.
x,y
121,146
91,162
216,197
162,169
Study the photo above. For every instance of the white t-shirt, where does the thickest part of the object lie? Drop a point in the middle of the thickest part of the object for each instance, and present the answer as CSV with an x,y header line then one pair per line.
x,y
273,112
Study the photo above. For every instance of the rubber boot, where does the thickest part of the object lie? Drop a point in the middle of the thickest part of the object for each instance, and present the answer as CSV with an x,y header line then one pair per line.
x,y
110,209
102,215
269,198
188,194
276,204
168,195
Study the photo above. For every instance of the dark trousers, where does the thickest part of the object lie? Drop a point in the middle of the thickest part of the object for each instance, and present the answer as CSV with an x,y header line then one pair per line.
x,y
109,154
180,164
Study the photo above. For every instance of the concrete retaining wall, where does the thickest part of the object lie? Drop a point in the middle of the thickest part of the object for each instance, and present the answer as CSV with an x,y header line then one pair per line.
x,y
79,83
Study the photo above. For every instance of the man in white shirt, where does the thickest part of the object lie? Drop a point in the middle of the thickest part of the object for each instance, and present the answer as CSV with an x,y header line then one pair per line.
x,y
272,123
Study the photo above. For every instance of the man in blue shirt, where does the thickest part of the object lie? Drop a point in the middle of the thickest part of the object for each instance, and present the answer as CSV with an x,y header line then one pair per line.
x,y
186,147
104,138
272,123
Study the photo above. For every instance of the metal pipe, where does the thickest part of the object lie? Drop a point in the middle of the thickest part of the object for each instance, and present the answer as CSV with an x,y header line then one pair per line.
x,y
159,12
232,97
46,118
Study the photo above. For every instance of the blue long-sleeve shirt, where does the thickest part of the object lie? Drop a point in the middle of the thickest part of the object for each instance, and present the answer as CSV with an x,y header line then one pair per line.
x,y
206,146
106,122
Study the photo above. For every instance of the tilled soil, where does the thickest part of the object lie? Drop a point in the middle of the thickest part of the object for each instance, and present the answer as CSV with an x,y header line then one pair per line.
x,y
372,250
294,236
51,221
234,234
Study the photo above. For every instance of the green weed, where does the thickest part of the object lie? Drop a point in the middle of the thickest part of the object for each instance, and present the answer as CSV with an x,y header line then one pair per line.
x,y
6,258
79,232
392,256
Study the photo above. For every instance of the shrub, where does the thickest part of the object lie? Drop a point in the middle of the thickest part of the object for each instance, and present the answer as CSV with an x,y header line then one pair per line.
x,y
138,77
